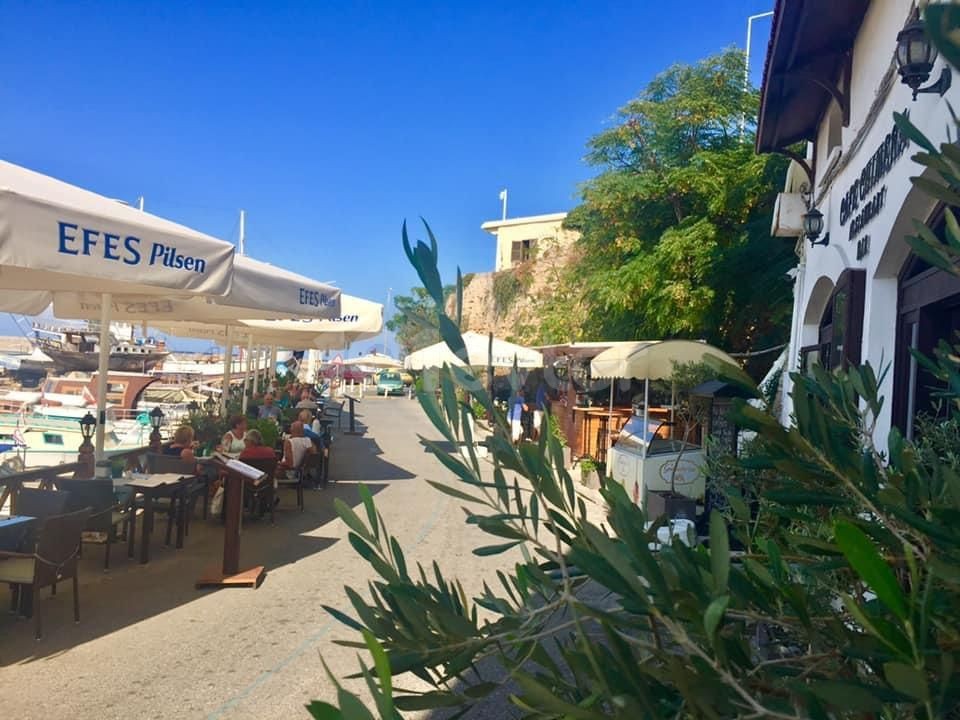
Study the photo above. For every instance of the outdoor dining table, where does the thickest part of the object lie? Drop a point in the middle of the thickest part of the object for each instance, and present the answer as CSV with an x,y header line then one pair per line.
x,y
14,531
152,487
16,535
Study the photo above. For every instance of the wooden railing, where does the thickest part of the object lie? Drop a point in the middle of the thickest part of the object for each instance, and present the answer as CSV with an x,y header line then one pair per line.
x,y
48,475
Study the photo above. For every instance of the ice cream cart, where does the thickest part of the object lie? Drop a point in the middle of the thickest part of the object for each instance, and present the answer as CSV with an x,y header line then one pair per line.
x,y
645,459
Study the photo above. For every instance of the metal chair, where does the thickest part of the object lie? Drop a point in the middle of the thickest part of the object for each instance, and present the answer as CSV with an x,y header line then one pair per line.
x,y
105,512
55,558
196,488
294,479
41,503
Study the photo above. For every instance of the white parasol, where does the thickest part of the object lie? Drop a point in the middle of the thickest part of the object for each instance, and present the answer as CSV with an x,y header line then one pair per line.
x,y
477,346
57,237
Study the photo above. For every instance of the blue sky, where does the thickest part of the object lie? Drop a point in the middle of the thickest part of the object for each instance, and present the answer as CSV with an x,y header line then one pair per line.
x,y
330,124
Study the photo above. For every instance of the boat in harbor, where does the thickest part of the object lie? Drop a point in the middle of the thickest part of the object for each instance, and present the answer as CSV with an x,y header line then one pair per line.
x,y
77,349
41,427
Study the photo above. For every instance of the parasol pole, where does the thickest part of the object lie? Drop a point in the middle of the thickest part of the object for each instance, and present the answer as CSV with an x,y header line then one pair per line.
x,y
246,374
646,414
227,370
610,412
103,368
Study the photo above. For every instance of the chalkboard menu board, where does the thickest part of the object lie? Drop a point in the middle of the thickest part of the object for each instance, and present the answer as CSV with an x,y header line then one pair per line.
x,y
722,428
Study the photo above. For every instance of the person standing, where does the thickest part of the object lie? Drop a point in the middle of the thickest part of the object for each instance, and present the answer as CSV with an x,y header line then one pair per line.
x,y
539,407
517,408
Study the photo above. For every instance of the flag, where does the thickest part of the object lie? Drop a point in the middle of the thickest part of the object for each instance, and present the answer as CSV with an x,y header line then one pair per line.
x,y
503,194
18,439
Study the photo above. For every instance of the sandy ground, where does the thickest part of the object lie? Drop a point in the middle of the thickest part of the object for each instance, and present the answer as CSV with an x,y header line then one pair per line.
x,y
151,646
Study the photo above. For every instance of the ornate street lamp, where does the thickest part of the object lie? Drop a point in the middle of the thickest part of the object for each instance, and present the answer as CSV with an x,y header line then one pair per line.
x,y
88,424
156,420
812,227
915,58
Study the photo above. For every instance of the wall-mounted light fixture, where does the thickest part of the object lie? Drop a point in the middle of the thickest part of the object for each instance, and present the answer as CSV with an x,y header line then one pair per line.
x,y
915,58
812,219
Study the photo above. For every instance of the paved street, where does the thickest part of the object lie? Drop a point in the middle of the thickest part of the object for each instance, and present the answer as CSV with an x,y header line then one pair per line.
x,y
150,646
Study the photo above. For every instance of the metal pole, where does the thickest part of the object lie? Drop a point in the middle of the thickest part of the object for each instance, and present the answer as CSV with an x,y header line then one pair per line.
x,y
227,368
246,374
746,69
103,368
387,313
256,370
243,225
646,415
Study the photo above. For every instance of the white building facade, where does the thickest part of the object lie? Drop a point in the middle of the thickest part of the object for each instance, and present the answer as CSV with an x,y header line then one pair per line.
x,y
831,79
522,239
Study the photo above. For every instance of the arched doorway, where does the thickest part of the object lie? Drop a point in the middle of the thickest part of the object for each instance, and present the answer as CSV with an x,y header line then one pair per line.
x,y
928,312
840,329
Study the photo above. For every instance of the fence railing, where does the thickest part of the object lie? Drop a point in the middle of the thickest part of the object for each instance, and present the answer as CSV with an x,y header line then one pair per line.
x,y
46,477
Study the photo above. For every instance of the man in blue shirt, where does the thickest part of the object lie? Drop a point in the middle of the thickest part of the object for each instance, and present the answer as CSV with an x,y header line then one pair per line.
x,y
268,410
517,406
540,404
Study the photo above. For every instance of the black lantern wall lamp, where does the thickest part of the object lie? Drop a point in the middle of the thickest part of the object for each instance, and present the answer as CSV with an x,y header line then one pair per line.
x,y
812,219
915,58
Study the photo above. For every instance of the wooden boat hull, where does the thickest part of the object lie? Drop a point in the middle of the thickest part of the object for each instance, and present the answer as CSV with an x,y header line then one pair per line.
x,y
69,360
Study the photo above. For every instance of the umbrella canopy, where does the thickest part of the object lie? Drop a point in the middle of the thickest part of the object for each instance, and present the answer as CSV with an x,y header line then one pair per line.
x,y
359,319
651,360
258,290
56,236
375,361
477,345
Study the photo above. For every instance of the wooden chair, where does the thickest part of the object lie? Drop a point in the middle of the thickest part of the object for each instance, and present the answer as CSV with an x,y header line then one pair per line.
x,y
106,514
263,491
55,558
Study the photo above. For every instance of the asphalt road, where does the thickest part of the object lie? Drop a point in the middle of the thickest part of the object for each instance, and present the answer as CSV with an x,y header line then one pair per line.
x,y
151,646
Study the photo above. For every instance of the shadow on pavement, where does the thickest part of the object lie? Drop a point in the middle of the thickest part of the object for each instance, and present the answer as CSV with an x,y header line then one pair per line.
x,y
131,592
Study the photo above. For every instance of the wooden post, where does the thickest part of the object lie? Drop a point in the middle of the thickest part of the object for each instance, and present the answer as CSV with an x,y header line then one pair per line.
x,y
229,574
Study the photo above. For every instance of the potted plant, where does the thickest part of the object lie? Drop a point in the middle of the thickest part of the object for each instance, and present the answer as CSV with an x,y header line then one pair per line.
x,y
589,472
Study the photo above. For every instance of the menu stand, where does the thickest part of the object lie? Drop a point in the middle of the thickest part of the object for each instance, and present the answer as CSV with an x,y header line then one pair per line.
x,y
353,425
229,575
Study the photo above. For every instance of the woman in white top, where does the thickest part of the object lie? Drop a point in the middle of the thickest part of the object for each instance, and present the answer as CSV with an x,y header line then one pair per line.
x,y
232,443
295,448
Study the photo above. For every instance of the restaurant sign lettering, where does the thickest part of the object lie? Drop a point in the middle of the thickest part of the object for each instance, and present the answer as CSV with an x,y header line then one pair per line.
x,y
863,200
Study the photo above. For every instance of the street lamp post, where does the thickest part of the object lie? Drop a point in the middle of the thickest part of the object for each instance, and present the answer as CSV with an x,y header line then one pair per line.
x,y
88,424
156,420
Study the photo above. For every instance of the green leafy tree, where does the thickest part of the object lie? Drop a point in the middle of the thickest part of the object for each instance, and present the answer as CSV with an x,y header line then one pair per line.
x,y
414,322
676,227
843,603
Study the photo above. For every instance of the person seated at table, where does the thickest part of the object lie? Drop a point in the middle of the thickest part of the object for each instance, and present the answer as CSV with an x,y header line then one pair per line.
x,y
306,401
182,445
232,442
311,427
254,449
269,411
295,449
